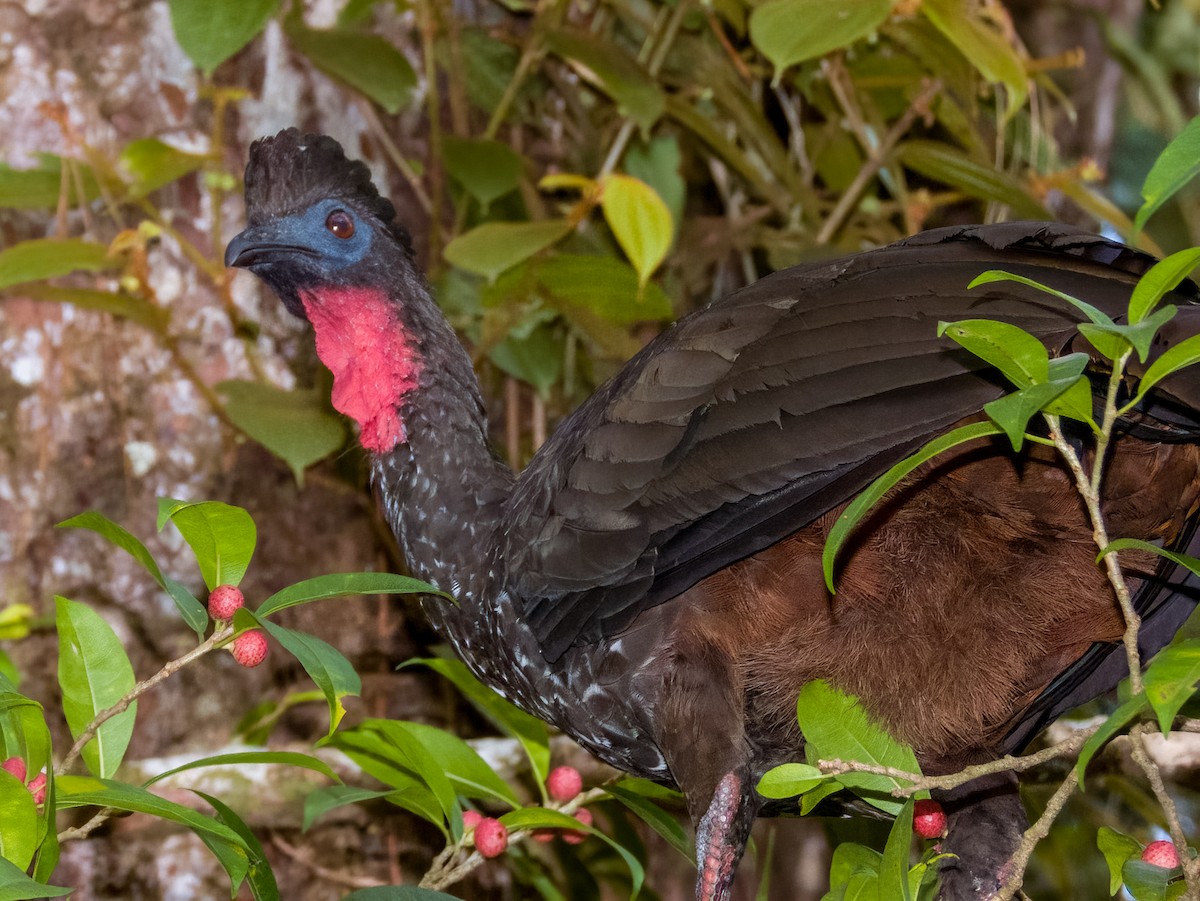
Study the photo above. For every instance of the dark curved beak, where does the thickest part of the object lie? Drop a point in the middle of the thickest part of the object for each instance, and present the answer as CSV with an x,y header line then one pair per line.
x,y
265,244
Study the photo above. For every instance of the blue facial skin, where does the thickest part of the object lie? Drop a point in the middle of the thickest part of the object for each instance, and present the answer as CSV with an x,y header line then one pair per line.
x,y
306,244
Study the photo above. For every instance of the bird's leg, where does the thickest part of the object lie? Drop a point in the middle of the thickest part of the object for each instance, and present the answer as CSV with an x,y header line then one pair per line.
x,y
701,734
985,820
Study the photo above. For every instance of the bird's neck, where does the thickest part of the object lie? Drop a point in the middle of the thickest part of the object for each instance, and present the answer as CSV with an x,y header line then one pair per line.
x,y
401,373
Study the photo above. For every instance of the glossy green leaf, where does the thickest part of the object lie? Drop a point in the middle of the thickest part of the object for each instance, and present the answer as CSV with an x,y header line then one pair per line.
x,y
1116,848
398,893
192,611
28,261
893,868
16,886
791,31
1125,713
657,163
835,726
18,821
39,187
1021,357
1171,679
536,358
1178,164
421,761
790,779
1146,882
1013,411
1162,277
605,65
850,858
494,247
297,426
461,764
951,166
125,306
1111,345
243,758
94,674
640,221
325,665
972,29
486,169
151,163
997,275
1139,335
873,493
211,31
366,62
1136,544
261,878
511,720
605,286
655,817
543,818
380,758
320,802
220,535
1185,353
336,585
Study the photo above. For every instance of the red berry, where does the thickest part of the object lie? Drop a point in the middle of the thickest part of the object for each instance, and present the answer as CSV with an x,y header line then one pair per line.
x,y
545,836
471,819
1161,854
38,788
16,766
491,838
250,648
224,601
574,836
929,820
564,783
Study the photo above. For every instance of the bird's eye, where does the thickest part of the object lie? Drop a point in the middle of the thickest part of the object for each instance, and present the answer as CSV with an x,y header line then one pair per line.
x,y
340,223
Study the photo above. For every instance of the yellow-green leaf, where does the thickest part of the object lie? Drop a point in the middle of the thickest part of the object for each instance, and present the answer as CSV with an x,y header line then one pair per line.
x,y
640,221
30,261
981,40
791,31
496,246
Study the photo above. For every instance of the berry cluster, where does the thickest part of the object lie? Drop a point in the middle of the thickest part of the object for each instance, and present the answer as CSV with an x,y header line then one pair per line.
x,y
562,785
249,648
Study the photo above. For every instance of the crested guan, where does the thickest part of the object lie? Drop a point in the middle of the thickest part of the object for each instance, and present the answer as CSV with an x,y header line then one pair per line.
x,y
651,583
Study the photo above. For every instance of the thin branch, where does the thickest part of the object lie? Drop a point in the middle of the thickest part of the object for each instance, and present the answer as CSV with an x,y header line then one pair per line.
x,y
1191,867
1015,868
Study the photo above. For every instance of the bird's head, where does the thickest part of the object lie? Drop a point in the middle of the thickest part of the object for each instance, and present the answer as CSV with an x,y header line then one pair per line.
x,y
324,239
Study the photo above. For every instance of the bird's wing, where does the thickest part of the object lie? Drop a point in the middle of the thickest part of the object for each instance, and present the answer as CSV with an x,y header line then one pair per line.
x,y
751,418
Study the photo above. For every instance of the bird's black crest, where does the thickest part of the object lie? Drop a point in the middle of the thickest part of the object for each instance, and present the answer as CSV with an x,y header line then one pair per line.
x,y
291,171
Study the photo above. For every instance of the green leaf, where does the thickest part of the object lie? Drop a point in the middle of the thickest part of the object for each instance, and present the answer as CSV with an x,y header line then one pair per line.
x,y
893,869
1171,679
339,584
262,879
1016,353
1175,167
28,261
94,674
1161,278
604,65
1139,336
211,31
1174,358
1013,411
366,62
997,275
871,495
835,725
398,893
16,886
192,611
1146,882
657,163
605,286
640,221
973,30
323,800
1136,544
790,779
297,426
950,165
18,821
511,720
325,665
40,187
486,169
241,758
1117,720
150,163
1116,848
381,759
655,817
542,818
494,247
791,31
419,760
535,358
220,535
470,773
125,306
850,858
